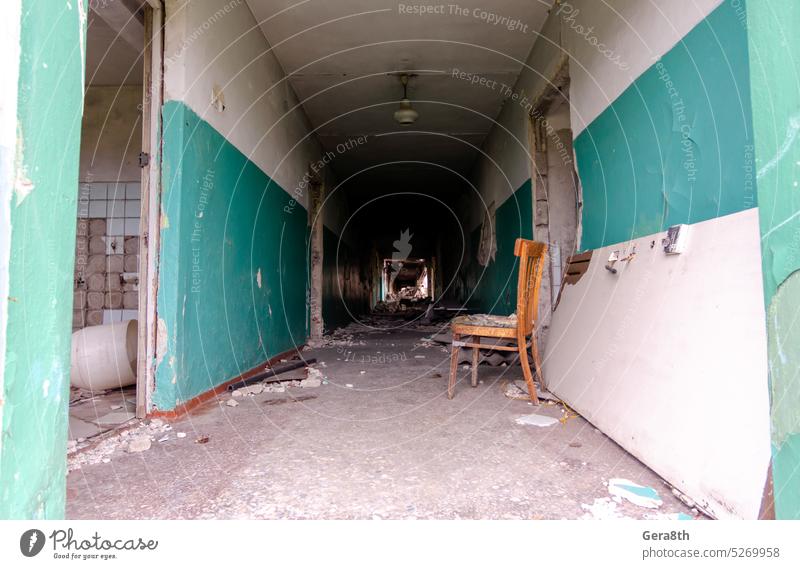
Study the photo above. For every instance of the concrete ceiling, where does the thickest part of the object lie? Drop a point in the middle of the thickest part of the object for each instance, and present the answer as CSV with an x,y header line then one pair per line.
x,y
342,58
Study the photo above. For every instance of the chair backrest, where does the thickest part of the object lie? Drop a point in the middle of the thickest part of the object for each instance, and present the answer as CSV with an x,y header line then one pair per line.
x,y
531,266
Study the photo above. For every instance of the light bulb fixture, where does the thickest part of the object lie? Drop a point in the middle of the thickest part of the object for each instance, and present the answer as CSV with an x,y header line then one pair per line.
x,y
405,115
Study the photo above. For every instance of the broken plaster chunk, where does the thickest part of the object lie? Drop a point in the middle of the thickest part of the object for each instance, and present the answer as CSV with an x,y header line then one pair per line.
x,y
249,390
232,403
643,496
181,435
139,444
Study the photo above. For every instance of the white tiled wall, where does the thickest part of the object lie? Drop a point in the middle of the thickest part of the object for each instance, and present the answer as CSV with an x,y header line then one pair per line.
x,y
117,202
108,216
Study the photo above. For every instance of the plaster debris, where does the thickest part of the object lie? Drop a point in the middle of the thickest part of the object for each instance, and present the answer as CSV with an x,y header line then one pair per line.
x,y
181,435
139,444
232,403
519,390
341,337
313,379
248,390
348,385
137,438
602,509
536,420
637,494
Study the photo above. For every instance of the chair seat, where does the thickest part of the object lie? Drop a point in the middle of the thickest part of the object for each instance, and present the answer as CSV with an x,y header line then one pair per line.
x,y
486,325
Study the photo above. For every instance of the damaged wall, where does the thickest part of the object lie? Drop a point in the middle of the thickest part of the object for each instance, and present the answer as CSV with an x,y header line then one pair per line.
x,y
663,125
502,176
673,146
667,356
775,79
665,353
40,192
234,275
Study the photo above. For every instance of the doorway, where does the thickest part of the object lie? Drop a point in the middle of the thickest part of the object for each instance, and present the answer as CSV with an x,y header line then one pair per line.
x,y
113,292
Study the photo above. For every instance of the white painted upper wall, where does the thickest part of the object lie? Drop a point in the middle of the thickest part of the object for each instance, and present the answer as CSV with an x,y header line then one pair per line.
x,y
503,165
218,47
111,134
636,32
621,40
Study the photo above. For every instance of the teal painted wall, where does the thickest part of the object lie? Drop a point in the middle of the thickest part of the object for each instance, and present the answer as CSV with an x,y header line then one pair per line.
x,y
775,67
493,289
36,375
223,220
676,146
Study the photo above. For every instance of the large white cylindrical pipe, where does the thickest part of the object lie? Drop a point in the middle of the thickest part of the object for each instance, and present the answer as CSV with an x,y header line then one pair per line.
x,y
104,357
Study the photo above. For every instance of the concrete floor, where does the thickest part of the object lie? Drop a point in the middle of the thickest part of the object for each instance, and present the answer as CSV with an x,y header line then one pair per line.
x,y
390,446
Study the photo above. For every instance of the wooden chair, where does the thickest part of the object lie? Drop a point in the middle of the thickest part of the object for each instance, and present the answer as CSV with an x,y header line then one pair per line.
x,y
520,328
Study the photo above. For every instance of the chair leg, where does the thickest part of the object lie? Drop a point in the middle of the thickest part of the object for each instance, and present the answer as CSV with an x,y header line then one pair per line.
x,y
537,360
476,352
526,370
451,384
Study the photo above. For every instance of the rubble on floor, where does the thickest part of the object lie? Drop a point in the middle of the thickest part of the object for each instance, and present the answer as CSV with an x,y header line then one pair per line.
x,y
314,378
93,413
623,490
341,337
136,439
407,299
637,494
518,389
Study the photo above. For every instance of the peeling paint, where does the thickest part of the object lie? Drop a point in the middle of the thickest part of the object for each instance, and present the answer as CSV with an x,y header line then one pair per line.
x,y
258,278
23,186
162,336
42,228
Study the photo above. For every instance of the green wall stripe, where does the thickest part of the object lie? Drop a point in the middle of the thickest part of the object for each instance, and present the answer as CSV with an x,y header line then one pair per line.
x,y
492,289
41,264
775,68
224,219
673,152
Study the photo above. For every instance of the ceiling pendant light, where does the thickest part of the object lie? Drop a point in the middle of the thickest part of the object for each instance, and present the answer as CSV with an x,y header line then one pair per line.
x,y
405,115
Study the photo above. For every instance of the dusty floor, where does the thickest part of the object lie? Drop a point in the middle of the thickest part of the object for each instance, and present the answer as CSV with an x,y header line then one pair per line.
x,y
90,415
390,446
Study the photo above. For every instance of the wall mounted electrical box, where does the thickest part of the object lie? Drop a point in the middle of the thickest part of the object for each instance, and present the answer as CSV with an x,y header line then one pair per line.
x,y
677,239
